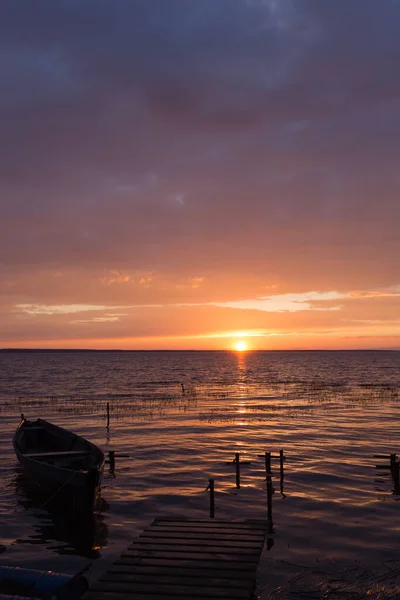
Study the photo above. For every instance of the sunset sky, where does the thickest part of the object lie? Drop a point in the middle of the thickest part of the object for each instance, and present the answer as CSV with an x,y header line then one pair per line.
x,y
194,173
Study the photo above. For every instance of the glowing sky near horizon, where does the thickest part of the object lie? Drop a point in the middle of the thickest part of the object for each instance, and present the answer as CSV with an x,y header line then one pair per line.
x,y
197,174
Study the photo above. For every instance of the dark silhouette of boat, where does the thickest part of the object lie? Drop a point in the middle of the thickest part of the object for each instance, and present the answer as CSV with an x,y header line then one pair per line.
x,y
69,466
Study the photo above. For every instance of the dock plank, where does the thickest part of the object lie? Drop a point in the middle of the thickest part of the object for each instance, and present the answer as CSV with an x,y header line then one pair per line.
x,y
198,535
177,579
208,527
173,571
182,559
212,556
234,524
188,544
131,596
208,565
178,590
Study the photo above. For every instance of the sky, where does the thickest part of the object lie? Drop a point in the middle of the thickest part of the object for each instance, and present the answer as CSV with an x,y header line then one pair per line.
x,y
189,174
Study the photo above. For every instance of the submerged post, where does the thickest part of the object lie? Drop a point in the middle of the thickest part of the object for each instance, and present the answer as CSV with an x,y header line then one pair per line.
x,y
281,459
267,464
111,458
237,465
396,477
108,415
394,469
212,499
269,502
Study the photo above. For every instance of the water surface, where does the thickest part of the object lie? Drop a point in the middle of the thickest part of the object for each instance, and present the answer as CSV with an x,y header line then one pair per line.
x,y
181,416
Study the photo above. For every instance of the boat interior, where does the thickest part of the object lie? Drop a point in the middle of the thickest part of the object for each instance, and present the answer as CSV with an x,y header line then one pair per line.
x,y
38,442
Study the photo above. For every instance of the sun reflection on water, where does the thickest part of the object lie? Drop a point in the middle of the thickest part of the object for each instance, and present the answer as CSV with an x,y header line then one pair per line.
x,y
328,423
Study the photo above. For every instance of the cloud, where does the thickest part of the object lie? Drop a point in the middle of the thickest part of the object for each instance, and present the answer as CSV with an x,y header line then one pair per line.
x,y
34,309
252,142
204,326
288,302
105,319
115,277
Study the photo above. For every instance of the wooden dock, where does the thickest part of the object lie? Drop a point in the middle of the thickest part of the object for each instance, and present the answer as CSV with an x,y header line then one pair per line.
x,y
186,559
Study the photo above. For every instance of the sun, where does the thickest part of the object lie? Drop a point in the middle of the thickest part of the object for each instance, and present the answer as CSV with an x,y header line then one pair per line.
x,y
241,346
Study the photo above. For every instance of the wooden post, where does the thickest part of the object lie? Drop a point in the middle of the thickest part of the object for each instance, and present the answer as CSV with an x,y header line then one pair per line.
x,y
237,465
394,469
267,464
396,477
108,415
111,458
281,462
281,458
269,502
212,498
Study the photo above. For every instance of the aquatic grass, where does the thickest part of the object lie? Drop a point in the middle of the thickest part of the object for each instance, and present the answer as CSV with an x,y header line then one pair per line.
x,y
157,399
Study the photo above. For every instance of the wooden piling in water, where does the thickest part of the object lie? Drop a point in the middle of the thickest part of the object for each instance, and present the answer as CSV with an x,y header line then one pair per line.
x,y
111,458
281,459
269,502
237,465
394,469
267,464
108,415
396,477
210,487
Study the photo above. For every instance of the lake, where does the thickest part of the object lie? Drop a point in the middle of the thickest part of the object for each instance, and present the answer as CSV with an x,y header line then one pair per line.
x,y
181,417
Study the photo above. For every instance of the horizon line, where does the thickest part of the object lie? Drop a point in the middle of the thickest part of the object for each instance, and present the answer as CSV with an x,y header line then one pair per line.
x,y
199,350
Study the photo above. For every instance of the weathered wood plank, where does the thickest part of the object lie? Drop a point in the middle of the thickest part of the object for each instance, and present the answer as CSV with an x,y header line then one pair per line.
x,y
178,579
131,596
191,555
203,520
177,590
199,533
214,522
178,571
200,551
193,547
210,522
206,532
187,541
209,565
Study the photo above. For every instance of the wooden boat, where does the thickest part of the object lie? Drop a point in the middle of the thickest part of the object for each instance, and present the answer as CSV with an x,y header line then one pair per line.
x,y
65,463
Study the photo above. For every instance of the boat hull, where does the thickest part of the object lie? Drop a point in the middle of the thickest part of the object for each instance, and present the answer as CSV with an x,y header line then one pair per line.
x,y
73,483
